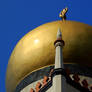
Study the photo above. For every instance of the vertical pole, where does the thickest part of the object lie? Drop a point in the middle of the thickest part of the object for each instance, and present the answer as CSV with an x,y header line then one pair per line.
x,y
59,80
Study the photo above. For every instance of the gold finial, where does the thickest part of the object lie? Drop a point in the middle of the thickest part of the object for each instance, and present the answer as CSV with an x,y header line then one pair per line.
x,y
63,14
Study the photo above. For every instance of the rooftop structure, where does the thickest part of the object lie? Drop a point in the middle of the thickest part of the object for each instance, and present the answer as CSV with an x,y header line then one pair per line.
x,y
36,65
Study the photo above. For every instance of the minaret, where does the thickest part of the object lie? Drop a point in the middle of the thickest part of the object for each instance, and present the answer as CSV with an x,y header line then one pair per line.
x,y
58,79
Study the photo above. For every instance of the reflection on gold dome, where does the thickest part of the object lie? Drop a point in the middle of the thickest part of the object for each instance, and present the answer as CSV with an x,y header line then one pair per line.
x,y
36,50
36,41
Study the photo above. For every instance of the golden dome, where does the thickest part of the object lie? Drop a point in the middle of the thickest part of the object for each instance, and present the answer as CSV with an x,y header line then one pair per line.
x,y
36,49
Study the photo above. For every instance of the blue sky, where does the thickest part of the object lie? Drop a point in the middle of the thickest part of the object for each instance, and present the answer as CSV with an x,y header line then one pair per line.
x,y
17,17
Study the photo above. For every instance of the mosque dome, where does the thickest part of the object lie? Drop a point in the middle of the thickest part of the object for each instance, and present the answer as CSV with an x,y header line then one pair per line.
x,y
36,49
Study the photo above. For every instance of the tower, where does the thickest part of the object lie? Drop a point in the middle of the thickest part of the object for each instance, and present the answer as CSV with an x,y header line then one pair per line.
x,y
34,66
59,80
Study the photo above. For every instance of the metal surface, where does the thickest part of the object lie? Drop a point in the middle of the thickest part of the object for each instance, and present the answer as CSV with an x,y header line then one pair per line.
x,y
62,14
36,49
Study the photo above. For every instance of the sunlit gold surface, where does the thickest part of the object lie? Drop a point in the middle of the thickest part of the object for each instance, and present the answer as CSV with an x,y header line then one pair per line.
x,y
36,49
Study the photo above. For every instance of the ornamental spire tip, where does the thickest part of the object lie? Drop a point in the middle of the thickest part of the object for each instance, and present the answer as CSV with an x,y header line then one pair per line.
x,y
59,34
63,14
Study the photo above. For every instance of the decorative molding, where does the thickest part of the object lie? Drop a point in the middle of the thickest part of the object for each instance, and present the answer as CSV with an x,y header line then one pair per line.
x,y
74,81
47,71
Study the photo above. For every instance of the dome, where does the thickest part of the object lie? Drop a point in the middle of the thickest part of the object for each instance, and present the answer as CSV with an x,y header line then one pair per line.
x,y
36,49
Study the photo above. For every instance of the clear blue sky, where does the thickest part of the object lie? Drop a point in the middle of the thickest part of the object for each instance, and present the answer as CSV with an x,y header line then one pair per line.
x,y
17,17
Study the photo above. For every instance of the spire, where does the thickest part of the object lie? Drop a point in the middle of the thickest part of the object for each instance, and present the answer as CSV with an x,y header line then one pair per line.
x,y
59,43
59,80
59,34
